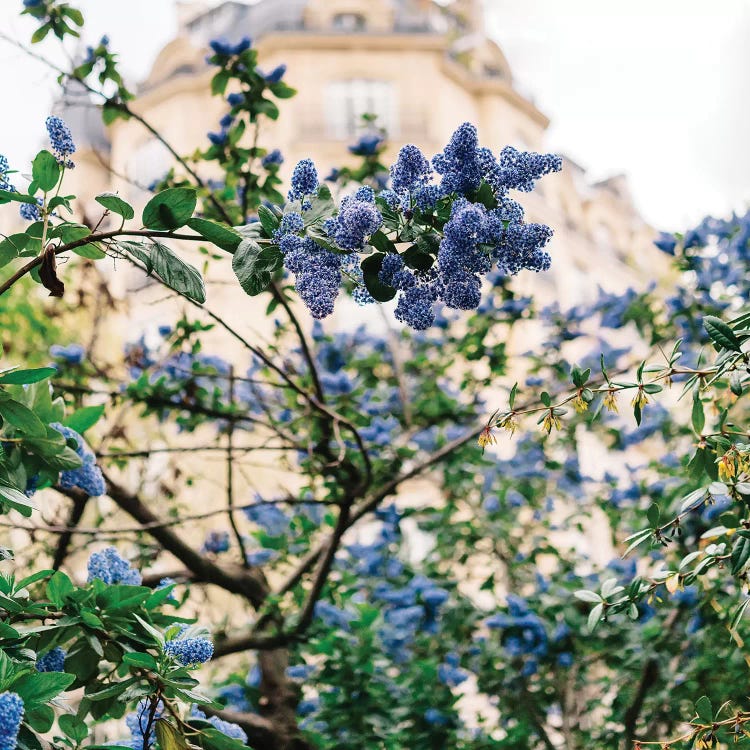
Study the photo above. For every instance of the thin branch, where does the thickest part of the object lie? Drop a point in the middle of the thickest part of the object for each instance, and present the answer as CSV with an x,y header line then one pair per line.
x,y
89,239
146,527
234,579
63,543
230,478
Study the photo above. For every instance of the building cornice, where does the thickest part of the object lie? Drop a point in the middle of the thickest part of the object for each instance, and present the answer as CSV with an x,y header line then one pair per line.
x,y
481,86
314,40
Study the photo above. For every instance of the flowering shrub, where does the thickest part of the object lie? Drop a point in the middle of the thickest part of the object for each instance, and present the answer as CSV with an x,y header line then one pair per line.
x,y
486,604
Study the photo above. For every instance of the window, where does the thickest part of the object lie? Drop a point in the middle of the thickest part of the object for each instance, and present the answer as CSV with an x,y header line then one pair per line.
x,y
347,101
349,22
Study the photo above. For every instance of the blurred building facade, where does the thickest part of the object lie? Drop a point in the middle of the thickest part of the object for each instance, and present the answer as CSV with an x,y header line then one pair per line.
x,y
420,66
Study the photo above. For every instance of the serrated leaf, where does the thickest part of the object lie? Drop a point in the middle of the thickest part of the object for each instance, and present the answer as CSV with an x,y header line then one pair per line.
x,y
180,276
253,265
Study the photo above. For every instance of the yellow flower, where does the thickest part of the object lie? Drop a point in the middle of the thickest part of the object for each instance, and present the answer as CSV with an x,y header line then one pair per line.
x,y
551,421
641,399
726,467
610,401
579,404
510,423
486,438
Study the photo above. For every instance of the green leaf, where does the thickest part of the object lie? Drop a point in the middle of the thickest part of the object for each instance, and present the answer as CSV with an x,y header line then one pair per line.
x,y
84,418
219,235
15,499
6,196
721,334
90,251
219,82
595,616
46,171
170,209
24,377
371,266
740,554
588,596
41,687
71,232
698,417
73,727
704,709
58,588
381,242
253,266
281,91
116,204
22,418
40,719
169,737
653,514
11,246
140,660
268,220
112,691
180,276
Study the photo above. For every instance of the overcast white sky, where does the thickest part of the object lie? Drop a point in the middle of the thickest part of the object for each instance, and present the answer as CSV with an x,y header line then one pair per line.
x,y
658,89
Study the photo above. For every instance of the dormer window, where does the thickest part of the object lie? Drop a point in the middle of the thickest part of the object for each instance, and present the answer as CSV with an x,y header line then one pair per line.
x,y
349,22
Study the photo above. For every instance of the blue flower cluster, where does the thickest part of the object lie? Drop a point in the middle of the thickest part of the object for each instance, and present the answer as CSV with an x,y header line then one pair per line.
x,y
30,211
317,273
216,542
524,634
223,48
368,144
229,728
88,477
358,218
72,354
450,672
304,181
268,516
274,76
110,568
221,138
4,169
273,159
485,228
52,661
716,255
189,650
11,714
61,140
